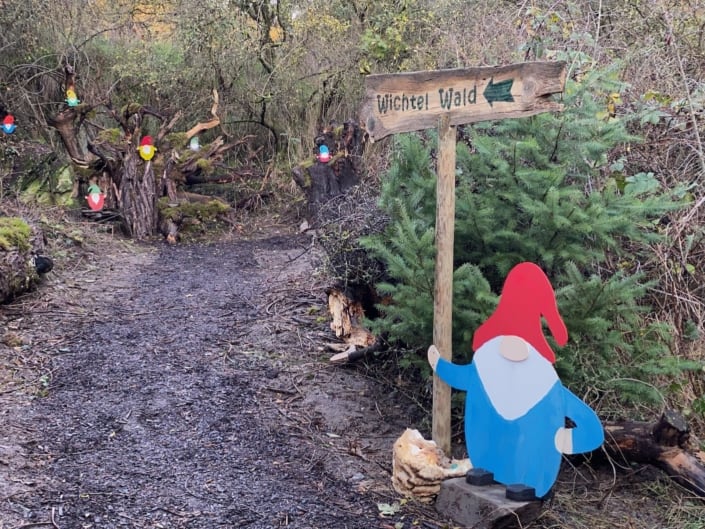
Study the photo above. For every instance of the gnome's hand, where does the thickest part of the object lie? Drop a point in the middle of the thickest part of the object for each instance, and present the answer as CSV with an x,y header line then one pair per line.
x,y
564,440
433,356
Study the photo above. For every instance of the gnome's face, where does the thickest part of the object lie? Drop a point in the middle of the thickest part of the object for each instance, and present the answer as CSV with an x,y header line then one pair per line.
x,y
514,349
514,375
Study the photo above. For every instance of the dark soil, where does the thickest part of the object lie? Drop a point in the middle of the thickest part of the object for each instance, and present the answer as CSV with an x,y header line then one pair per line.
x,y
188,387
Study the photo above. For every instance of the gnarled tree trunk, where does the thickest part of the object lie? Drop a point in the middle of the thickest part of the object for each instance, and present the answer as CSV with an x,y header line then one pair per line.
x,y
137,197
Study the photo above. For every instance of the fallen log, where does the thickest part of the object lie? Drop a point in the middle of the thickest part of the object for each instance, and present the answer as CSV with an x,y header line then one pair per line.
x,y
233,175
189,212
664,445
351,353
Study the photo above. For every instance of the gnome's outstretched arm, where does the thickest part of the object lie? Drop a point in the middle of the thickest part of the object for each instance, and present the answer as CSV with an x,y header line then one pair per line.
x,y
457,376
588,433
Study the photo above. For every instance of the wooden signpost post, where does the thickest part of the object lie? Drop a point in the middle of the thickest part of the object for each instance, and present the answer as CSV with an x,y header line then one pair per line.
x,y
413,101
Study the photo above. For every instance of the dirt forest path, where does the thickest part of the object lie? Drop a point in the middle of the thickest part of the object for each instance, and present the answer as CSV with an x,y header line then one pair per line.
x,y
187,387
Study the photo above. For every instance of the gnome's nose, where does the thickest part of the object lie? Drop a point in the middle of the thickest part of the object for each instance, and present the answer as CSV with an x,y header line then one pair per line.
x,y
513,348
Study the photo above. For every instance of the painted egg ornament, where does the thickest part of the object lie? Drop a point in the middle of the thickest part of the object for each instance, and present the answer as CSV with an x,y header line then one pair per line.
x,y
95,197
323,154
194,144
147,148
8,124
71,99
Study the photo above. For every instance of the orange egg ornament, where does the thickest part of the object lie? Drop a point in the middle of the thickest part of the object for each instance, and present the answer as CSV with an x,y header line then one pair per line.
x,y
147,148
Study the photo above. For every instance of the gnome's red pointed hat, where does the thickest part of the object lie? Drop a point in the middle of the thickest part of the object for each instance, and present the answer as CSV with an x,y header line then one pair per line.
x,y
146,140
527,295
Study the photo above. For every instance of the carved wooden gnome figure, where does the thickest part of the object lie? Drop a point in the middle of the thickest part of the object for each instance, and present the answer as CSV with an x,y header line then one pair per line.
x,y
516,407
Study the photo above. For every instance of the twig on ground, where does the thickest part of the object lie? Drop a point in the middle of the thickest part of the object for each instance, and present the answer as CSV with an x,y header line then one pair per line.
x,y
37,524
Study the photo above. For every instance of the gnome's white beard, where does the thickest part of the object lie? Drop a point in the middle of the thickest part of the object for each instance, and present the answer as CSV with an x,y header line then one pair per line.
x,y
513,387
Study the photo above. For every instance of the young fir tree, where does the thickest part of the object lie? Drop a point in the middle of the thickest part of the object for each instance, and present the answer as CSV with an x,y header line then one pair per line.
x,y
537,189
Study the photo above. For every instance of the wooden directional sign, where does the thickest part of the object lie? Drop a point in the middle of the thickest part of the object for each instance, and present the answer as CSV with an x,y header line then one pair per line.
x,y
406,102
445,98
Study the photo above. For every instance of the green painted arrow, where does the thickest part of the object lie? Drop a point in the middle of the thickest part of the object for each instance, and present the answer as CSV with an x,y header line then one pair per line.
x,y
501,91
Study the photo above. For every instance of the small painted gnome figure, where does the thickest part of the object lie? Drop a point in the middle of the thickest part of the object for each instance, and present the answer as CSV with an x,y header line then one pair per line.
x,y
71,98
95,197
323,155
147,148
516,407
8,124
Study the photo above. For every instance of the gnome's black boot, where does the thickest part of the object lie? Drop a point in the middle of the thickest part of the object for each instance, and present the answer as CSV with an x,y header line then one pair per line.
x,y
521,492
479,477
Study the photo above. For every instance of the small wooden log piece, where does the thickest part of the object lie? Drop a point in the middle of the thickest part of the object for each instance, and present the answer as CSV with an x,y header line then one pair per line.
x,y
347,315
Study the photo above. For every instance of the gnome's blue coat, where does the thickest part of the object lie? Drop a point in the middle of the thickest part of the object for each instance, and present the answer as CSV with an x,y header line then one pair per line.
x,y
522,450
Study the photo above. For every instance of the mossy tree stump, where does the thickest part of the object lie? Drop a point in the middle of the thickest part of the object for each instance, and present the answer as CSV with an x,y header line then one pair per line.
x,y
322,182
19,243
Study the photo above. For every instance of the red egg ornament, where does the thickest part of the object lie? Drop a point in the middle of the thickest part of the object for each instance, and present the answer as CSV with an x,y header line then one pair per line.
x,y
147,148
